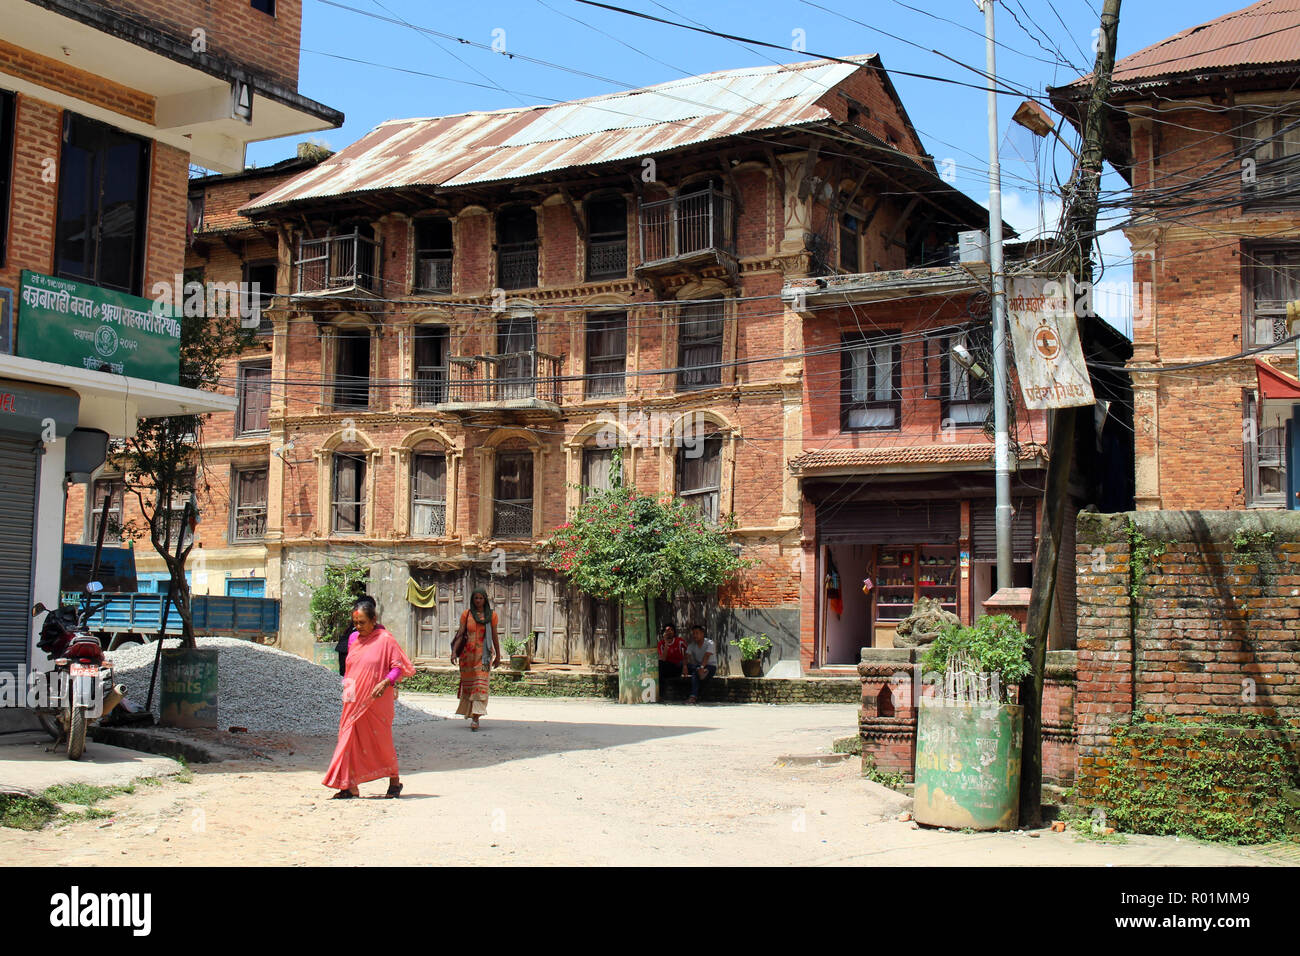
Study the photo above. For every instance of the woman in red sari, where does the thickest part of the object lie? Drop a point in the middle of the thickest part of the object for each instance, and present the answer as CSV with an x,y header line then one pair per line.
x,y
477,658
374,666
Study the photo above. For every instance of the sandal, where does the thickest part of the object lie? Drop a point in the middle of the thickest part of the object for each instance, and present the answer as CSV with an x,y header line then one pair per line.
x,y
474,725
394,791
344,795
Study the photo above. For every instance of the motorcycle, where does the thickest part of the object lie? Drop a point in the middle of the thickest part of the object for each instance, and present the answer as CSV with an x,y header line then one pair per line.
x,y
80,688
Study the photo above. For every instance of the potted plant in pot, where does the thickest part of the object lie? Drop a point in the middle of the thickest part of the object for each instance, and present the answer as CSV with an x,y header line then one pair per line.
x,y
517,650
968,732
331,608
752,649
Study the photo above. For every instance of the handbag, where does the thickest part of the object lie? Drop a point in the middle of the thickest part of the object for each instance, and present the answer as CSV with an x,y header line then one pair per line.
x,y
458,642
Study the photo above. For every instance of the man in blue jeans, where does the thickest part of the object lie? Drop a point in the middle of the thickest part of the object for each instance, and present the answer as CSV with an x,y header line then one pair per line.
x,y
701,661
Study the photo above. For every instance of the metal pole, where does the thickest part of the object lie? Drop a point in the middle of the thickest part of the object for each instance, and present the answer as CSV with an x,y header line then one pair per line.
x,y
1001,445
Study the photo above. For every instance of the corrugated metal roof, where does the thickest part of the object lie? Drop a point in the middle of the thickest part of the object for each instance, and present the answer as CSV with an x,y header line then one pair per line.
x,y
1264,33
475,148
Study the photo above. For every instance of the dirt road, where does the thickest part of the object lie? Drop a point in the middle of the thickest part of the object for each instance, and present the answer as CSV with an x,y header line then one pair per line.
x,y
565,782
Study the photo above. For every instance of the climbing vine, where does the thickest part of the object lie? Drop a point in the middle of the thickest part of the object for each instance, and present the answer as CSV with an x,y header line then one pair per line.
x,y
1142,553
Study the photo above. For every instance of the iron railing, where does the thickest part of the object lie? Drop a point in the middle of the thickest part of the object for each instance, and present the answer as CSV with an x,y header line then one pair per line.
x,y
433,274
683,225
429,519
337,262
430,385
517,265
486,379
512,519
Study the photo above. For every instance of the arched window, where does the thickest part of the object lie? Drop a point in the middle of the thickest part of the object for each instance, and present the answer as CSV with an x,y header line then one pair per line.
x,y
606,237
517,248
428,493
699,471
348,493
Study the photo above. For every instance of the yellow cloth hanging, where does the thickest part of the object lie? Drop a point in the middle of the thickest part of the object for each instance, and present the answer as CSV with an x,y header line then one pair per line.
x,y
421,596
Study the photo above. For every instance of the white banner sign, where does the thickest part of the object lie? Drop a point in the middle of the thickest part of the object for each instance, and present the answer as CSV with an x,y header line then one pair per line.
x,y
1049,359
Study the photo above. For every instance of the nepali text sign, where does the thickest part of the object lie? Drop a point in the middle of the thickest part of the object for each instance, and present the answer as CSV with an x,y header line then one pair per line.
x,y
71,323
1049,359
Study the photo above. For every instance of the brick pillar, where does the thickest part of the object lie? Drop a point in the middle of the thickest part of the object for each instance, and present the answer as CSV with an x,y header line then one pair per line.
x,y
1013,601
887,718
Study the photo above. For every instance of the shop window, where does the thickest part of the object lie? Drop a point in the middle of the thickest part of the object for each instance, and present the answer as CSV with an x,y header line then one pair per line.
x,y
430,364
433,255
103,198
1264,428
1274,144
699,345
606,354
512,505
348,509
606,237
6,167
966,398
250,504
103,488
352,368
517,248
871,383
596,463
428,496
850,233
1274,280
259,292
699,475
254,398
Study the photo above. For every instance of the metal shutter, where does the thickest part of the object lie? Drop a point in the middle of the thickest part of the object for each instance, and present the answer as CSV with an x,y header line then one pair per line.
x,y
895,522
18,470
984,534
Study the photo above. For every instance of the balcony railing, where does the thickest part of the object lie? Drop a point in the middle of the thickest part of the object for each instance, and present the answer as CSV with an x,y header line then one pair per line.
x,y
433,274
250,525
337,262
607,258
517,265
514,376
429,519
685,225
430,385
512,519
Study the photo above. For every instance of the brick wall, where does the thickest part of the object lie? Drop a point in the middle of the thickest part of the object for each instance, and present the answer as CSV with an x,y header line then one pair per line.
x,y
1214,634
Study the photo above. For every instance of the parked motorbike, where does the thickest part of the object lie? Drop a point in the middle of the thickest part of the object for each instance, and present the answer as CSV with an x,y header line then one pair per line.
x,y
80,688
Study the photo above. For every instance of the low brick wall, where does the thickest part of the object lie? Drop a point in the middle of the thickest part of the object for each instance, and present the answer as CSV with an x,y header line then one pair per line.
x,y
729,690
1189,649
887,718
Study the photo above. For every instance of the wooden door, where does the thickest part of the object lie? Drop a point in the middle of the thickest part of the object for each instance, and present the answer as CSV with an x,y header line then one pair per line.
x,y
435,627
510,596
550,619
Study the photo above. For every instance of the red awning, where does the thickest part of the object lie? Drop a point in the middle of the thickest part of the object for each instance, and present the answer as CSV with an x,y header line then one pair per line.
x,y
1276,384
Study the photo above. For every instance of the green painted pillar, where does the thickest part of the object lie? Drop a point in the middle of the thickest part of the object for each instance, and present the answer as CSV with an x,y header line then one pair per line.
x,y
638,657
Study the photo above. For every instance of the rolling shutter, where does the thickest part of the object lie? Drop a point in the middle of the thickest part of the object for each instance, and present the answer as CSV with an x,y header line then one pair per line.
x,y
984,535
18,471
902,522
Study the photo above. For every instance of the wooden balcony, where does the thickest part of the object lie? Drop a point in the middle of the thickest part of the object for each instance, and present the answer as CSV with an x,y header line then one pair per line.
x,y
345,263
515,381
687,233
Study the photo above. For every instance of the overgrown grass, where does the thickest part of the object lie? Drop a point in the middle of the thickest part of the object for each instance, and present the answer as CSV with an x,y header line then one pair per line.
x,y
34,813
26,813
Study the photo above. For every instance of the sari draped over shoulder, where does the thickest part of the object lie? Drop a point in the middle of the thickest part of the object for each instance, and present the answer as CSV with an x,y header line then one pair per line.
x,y
475,676
365,749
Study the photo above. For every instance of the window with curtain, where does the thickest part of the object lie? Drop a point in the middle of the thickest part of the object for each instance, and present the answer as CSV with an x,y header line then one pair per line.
x,y
966,398
699,475
871,380
254,397
250,504
428,495
606,353
699,345
595,469
512,507
348,503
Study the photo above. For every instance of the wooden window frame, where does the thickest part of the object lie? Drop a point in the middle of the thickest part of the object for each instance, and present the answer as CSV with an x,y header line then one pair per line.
x,y
1250,267
591,378
974,385
362,461
240,430
687,314
237,506
415,501
859,341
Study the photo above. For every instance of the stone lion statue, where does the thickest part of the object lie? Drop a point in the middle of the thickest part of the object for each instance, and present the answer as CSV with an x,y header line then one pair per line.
x,y
923,625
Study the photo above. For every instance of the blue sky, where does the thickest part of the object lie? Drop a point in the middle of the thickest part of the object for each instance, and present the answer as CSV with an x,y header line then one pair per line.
x,y
372,70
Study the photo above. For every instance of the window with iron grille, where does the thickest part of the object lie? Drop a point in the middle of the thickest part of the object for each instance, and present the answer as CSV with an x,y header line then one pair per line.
x,y
1273,277
433,255
606,353
1264,428
431,364
517,248
351,368
850,231
699,345
699,475
871,383
105,487
250,504
512,506
965,398
348,509
428,496
606,237
254,397
1273,141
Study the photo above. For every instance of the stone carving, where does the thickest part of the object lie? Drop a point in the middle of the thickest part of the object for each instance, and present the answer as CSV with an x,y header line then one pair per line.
x,y
923,625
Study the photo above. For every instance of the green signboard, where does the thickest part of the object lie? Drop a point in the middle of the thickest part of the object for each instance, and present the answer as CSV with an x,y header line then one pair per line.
x,y
71,323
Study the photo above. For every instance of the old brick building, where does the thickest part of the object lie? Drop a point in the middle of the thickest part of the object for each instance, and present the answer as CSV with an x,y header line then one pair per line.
x,y
475,309
103,107
1204,127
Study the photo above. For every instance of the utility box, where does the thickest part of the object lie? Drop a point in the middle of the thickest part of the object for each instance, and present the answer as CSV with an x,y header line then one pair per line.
x,y
973,247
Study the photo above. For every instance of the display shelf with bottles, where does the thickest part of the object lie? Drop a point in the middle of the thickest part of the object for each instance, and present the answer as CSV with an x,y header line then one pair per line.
x,y
904,575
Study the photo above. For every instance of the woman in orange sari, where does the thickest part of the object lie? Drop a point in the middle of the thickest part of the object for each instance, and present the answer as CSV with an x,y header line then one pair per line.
x,y
374,666
477,657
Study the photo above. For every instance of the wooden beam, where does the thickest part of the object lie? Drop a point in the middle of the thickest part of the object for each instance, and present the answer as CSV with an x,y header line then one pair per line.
x,y
778,171
735,187
902,221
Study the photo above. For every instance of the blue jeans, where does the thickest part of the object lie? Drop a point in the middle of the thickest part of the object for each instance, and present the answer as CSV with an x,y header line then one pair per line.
x,y
699,675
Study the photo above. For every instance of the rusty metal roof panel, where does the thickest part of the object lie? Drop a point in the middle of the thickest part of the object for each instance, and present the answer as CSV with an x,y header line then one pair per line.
x,y
477,148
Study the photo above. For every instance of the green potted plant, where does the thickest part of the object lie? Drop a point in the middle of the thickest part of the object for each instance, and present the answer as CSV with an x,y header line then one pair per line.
x,y
968,732
517,650
752,649
331,607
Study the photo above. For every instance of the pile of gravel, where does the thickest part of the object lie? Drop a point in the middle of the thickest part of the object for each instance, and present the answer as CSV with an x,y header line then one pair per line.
x,y
259,687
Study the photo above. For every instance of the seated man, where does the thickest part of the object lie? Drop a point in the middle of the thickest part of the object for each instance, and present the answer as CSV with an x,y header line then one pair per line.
x,y
701,661
672,655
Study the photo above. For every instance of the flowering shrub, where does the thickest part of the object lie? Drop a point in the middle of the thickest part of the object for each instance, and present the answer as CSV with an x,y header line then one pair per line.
x,y
622,543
